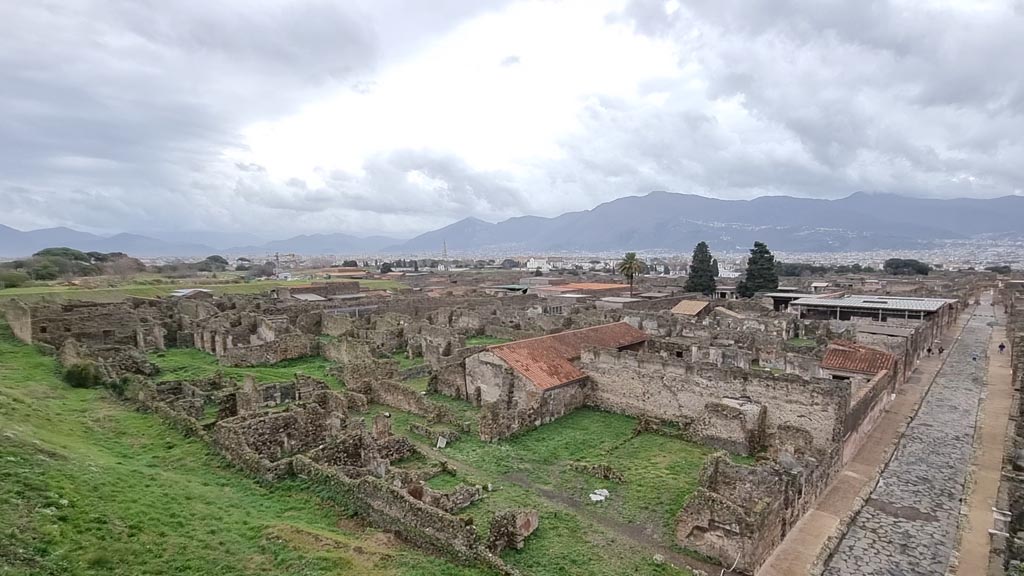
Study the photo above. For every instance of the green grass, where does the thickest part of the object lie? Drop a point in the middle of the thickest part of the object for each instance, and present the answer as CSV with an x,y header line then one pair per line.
x,y
404,361
141,290
190,363
485,341
660,472
802,342
89,486
418,384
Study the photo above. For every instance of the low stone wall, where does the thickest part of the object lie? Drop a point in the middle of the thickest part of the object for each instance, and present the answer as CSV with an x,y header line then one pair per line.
x,y
391,393
413,372
346,350
285,347
361,376
389,508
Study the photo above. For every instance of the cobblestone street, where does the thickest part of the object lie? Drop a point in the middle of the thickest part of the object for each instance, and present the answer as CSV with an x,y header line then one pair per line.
x,y
909,525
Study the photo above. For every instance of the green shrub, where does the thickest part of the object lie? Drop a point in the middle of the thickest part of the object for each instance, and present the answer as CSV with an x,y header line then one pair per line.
x,y
83,375
12,279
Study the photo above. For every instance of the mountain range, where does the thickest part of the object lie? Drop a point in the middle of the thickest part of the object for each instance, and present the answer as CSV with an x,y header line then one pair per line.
x,y
659,220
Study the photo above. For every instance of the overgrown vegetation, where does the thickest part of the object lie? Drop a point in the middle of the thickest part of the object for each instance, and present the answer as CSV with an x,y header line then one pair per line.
x,y
404,361
89,486
83,375
190,363
532,470
906,267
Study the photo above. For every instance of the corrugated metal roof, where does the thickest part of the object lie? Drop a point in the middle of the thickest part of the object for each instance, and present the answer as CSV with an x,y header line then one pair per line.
x,y
846,356
884,329
877,303
547,361
689,307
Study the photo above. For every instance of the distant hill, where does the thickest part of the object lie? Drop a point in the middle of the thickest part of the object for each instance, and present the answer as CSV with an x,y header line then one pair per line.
x,y
16,243
663,220
310,244
659,220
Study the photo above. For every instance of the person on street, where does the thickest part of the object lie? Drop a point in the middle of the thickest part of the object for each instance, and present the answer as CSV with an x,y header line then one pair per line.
x,y
1002,347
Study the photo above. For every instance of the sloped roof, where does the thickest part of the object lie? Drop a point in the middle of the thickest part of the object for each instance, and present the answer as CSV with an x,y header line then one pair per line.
x,y
846,356
689,307
547,361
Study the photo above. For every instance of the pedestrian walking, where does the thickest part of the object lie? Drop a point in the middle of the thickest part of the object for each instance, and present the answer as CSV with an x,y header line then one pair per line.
x,y
974,356
929,350
1002,347
941,350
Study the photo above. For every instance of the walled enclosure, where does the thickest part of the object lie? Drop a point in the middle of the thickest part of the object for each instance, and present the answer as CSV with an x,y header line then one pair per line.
x,y
804,416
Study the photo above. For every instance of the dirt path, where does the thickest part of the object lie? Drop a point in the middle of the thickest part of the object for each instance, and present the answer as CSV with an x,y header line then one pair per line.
x,y
990,438
802,550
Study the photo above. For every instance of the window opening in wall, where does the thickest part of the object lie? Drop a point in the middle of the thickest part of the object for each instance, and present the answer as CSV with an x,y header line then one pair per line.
x,y
42,329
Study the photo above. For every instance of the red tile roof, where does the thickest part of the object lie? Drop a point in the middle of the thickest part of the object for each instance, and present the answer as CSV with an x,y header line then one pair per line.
x,y
847,356
547,361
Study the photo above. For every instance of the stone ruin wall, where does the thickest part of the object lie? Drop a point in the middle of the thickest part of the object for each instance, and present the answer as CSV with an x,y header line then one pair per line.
x,y
866,407
286,347
740,514
133,323
803,415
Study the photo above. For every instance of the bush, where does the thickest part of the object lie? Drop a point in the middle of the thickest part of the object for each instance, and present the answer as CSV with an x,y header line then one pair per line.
x,y
83,375
12,279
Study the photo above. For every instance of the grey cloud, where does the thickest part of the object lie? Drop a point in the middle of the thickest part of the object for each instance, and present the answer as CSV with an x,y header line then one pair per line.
x,y
118,114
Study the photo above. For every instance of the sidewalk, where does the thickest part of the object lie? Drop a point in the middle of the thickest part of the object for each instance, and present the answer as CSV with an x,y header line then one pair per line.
x,y
799,552
990,437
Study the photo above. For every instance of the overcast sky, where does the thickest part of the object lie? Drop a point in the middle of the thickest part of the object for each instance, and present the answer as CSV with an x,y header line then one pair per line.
x,y
390,117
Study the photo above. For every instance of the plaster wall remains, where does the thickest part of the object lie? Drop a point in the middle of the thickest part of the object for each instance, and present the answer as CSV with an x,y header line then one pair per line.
x,y
285,347
803,415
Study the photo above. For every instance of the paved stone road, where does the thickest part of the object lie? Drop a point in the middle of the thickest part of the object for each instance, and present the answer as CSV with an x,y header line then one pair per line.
x,y
908,526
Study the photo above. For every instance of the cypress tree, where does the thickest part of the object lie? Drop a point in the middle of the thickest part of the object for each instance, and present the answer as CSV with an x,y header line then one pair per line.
x,y
702,277
761,273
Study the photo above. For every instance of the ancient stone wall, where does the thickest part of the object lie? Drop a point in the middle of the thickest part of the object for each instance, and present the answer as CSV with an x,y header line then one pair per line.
x,y
867,405
803,415
285,347
345,350
396,395
263,444
90,323
739,514
392,509
499,420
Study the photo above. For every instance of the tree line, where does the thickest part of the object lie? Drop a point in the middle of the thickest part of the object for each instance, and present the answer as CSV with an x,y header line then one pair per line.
x,y
761,273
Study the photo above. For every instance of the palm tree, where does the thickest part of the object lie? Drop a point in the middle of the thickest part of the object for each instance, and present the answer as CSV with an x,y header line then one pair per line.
x,y
629,267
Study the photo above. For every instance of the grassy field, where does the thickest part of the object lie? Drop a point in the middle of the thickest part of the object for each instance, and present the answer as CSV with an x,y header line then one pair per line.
x,y
189,363
404,361
116,293
485,341
89,486
532,470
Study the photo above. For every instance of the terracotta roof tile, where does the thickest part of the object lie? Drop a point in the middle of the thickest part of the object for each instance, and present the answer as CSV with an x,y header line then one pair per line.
x,y
847,356
547,361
